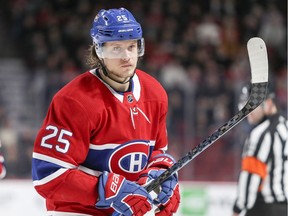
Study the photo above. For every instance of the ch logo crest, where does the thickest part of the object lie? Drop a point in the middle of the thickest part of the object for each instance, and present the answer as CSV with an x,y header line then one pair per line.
x,y
130,158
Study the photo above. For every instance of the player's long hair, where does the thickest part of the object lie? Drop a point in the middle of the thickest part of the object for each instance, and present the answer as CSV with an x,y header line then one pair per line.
x,y
92,59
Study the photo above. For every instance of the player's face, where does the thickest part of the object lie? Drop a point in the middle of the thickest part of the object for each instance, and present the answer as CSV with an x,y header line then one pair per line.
x,y
120,58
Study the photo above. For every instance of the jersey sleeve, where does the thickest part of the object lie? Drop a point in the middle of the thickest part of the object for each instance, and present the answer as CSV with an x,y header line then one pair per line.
x,y
60,147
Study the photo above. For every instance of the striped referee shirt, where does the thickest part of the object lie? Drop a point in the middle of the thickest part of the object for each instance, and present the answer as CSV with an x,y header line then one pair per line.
x,y
264,172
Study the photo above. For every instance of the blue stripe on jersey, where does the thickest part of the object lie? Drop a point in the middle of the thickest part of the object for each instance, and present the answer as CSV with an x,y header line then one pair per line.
x,y
129,158
97,160
42,169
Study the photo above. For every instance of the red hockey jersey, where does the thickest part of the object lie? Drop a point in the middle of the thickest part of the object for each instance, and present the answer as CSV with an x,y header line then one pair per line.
x,y
90,128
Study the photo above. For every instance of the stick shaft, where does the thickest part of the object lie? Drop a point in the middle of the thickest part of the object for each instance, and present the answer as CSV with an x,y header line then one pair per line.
x,y
257,96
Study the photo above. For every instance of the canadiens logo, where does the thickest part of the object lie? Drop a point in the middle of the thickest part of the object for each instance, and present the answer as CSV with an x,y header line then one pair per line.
x,y
130,158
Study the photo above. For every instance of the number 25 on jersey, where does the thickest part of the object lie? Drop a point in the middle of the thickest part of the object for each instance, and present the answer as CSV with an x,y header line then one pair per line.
x,y
64,143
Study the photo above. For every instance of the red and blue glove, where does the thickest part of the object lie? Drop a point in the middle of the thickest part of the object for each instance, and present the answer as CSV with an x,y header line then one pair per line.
x,y
2,167
168,199
125,197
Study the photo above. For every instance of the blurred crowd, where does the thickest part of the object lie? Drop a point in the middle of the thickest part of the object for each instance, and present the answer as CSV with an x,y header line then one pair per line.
x,y
196,49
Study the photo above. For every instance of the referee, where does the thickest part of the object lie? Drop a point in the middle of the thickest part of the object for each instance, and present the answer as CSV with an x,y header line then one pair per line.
x,y
263,181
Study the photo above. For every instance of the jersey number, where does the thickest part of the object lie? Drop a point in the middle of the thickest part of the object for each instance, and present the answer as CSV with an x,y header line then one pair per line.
x,y
60,138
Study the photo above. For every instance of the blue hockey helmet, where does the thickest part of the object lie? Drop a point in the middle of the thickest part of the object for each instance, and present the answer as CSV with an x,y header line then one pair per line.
x,y
116,25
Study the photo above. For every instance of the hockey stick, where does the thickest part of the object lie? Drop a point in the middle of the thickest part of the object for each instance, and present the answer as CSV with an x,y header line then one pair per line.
x,y
259,72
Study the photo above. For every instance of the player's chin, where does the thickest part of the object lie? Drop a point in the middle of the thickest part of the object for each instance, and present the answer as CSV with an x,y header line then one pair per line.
x,y
128,72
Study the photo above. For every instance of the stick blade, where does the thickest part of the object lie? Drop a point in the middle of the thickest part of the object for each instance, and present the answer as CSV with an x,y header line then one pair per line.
x,y
257,53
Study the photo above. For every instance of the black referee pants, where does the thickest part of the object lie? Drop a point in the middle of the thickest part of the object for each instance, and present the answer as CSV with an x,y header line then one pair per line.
x,y
268,209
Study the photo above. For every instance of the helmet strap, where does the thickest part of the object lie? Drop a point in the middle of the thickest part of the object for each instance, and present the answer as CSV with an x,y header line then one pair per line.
x,y
105,72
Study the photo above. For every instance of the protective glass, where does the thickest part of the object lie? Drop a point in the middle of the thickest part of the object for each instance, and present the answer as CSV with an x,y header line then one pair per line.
x,y
120,50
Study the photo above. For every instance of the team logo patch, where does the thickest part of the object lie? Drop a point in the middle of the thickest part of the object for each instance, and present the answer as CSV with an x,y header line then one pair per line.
x,y
129,159
130,98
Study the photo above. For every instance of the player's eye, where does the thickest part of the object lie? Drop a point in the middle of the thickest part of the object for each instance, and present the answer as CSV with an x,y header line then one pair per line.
x,y
132,47
117,49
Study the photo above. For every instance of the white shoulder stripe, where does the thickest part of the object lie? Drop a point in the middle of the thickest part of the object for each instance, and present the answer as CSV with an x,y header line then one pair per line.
x,y
114,145
53,160
103,147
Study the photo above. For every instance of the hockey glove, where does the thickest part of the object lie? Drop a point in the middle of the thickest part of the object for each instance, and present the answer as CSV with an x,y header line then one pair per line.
x,y
2,167
168,198
125,197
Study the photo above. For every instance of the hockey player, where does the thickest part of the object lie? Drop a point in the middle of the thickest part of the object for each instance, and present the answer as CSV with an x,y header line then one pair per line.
x,y
263,182
2,165
105,132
